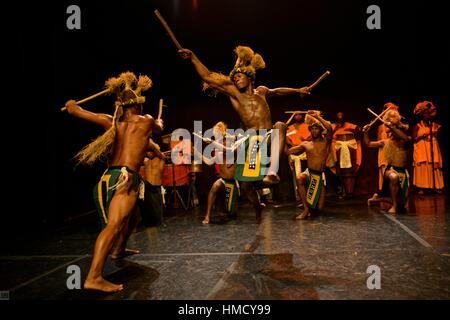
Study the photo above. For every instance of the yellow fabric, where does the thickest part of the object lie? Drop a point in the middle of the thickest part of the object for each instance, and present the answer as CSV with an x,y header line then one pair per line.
x,y
345,158
298,162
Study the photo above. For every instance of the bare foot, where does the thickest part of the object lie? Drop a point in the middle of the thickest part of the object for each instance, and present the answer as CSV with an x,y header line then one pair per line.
x,y
123,254
303,215
374,198
271,179
205,221
392,210
102,285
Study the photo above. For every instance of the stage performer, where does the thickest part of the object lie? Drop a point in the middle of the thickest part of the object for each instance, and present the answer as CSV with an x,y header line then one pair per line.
x,y
254,113
312,181
152,206
295,135
346,154
395,152
124,144
226,182
427,154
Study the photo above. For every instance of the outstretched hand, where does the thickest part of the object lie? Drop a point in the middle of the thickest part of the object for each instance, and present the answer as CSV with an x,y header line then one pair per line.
x,y
185,53
304,91
366,128
71,105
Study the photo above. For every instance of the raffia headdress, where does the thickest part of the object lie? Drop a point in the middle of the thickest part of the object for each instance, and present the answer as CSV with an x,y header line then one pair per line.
x,y
247,62
313,122
128,89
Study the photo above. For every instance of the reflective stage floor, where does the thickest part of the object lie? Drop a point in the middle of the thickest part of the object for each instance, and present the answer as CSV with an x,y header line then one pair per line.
x,y
335,255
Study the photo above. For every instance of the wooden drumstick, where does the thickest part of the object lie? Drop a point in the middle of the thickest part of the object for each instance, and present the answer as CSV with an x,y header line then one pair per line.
x,y
98,94
376,118
160,108
169,31
292,117
326,74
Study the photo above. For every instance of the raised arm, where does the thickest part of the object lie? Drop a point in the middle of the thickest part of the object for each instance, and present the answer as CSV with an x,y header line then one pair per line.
x,y
105,120
327,125
219,82
155,148
398,132
283,91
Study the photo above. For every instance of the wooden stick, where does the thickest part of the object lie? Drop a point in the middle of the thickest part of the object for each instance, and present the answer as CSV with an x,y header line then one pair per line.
x,y
210,141
98,94
375,120
378,117
326,74
169,31
292,117
294,112
160,108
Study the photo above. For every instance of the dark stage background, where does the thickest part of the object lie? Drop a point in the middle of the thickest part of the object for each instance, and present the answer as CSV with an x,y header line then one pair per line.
x,y
405,62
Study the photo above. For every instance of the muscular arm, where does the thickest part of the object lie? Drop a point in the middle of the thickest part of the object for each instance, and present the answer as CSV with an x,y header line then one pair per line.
x,y
282,91
154,147
297,149
221,83
400,134
105,120
325,123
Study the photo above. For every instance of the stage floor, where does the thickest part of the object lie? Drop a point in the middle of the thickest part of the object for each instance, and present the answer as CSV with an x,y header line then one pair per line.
x,y
322,258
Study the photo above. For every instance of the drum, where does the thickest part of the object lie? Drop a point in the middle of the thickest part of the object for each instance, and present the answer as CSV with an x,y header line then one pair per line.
x,y
177,175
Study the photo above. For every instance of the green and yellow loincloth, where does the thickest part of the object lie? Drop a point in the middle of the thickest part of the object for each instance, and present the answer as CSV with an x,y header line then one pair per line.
x,y
257,148
231,194
104,190
403,182
315,182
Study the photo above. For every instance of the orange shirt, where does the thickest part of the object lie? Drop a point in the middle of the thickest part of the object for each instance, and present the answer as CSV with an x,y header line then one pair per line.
x,y
296,133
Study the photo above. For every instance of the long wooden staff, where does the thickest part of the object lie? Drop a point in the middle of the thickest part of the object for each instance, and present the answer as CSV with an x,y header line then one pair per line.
x,y
376,118
326,74
169,31
98,94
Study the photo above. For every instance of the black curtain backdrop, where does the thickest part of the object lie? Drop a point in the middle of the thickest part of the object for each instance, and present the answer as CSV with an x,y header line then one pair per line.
x,y
405,62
